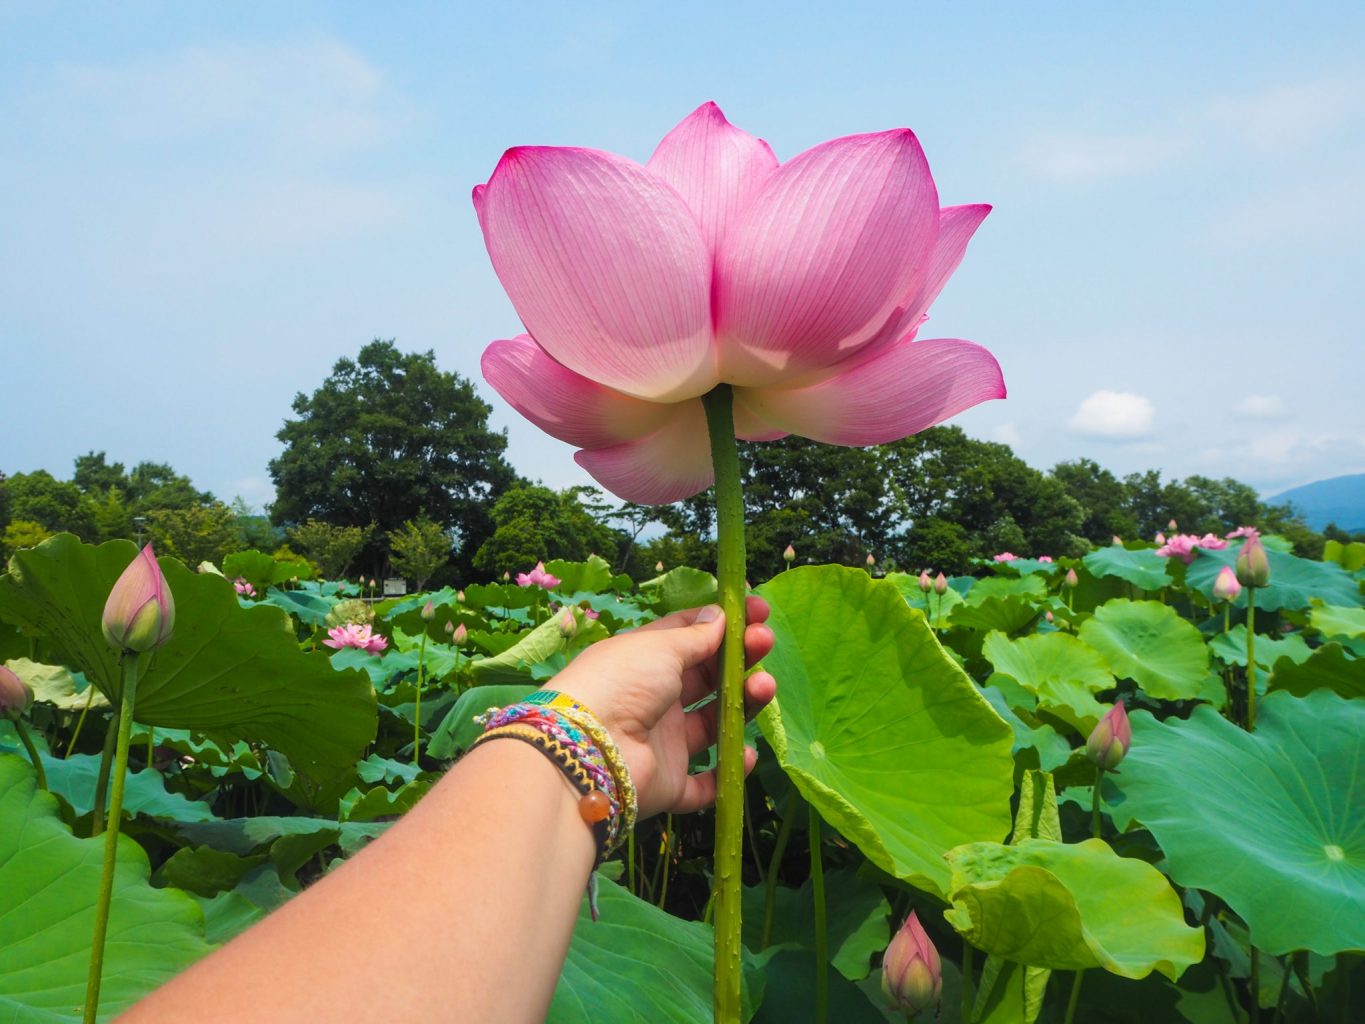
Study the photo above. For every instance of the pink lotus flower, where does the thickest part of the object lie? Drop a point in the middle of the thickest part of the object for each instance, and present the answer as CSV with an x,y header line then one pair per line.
x,y
1005,556
1183,546
139,614
1111,739
912,974
243,587
1226,587
1243,531
1046,559
802,285
357,636
1160,537
537,577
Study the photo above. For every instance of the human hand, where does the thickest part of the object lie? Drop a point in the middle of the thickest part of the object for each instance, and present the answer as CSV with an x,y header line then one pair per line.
x,y
638,683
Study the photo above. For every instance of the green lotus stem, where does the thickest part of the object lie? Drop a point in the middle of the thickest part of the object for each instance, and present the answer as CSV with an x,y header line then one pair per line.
x,y
1284,989
90,699
111,836
968,985
753,836
102,779
784,833
417,713
668,858
1075,999
1254,982
817,880
729,855
1095,803
33,756
630,862
1251,663
151,745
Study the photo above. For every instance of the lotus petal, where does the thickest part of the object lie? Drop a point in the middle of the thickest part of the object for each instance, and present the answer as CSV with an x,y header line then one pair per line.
x,y
606,266
565,404
715,167
670,464
905,389
822,255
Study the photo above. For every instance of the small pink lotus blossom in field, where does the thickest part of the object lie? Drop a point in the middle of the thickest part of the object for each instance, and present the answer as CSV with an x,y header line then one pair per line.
x,y
1045,559
1048,616
537,577
1005,556
1243,531
588,613
459,635
1071,579
1160,538
1172,526
567,624
802,285
1212,542
1226,587
1111,739
355,635
243,587
1183,546
912,974
789,554
926,582
940,584
1117,540
871,561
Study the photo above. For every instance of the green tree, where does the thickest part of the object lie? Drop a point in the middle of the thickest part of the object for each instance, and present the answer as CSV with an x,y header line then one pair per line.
x,y
21,533
418,549
386,438
332,548
56,505
1102,496
205,533
533,523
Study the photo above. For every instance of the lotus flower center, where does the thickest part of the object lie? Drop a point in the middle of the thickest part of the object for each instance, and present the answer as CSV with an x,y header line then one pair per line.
x,y
1334,852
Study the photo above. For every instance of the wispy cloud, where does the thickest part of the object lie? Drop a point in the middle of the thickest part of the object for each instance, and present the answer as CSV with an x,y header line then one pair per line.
x,y
1114,415
1261,407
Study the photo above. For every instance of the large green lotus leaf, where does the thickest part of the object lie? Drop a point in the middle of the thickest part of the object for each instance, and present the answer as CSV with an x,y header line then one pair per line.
x,y
1271,822
1350,557
1331,621
458,729
1150,643
1026,566
227,671
594,576
1004,586
49,880
1070,907
1009,614
857,925
1329,668
309,608
683,587
639,965
1052,747
1231,647
1294,582
1064,673
73,779
55,684
262,570
878,727
503,597
514,664
243,836
1142,567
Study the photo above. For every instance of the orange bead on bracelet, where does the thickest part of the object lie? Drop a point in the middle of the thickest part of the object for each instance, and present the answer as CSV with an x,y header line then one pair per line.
x,y
594,806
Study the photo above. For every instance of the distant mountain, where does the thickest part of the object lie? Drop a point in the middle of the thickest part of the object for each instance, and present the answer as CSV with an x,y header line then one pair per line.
x,y
1340,500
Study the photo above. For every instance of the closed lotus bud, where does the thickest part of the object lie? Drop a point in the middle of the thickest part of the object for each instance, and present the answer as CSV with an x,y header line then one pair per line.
x,y
450,627
428,612
1253,567
459,596
1071,579
1048,616
926,584
659,566
1117,540
1110,739
140,612
789,554
1160,538
506,576
15,696
871,560
373,583
460,634
1226,587
568,626
1172,526
940,584
912,975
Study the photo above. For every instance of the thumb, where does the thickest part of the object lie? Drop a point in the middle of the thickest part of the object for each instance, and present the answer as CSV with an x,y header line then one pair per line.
x,y
701,640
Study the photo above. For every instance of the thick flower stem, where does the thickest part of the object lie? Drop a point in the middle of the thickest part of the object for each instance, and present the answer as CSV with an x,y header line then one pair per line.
x,y
784,833
102,779
730,569
817,882
33,756
417,713
76,733
1251,659
1095,803
111,836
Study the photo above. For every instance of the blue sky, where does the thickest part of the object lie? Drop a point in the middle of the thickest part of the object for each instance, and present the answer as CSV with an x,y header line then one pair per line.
x,y
203,206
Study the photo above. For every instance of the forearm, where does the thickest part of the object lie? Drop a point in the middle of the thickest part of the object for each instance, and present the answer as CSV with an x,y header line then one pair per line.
x,y
479,883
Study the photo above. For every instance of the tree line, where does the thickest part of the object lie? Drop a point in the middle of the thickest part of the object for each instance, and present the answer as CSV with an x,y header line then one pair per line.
x,y
391,466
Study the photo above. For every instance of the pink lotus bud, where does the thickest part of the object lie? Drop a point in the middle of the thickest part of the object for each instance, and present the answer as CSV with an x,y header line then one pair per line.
x,y
1005,556
140,612
1110,739
428,612
1226,587
926,584
912,975
459,635
940,584
1160,538
568,625
506,576
1117,540
871,560
659,566
1253,567
789,555
1048,616
373,583
1071,579
1173,526
459,597
15,696
1045,559
449,627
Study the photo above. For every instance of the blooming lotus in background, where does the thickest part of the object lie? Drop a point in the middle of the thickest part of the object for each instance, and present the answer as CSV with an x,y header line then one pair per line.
x,y
912,974
1183,546
355,635
537,577
139,614
1045,559
1005,556
1243,531
802,284
243,588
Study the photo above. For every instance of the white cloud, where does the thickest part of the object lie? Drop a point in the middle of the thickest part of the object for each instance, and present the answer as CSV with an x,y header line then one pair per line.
x,y
1076,157
1117,415
1289,115
1007,433
1261,407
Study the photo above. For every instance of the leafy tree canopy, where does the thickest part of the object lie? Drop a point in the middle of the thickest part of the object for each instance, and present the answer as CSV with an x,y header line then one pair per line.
x,y
533,523
386,438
